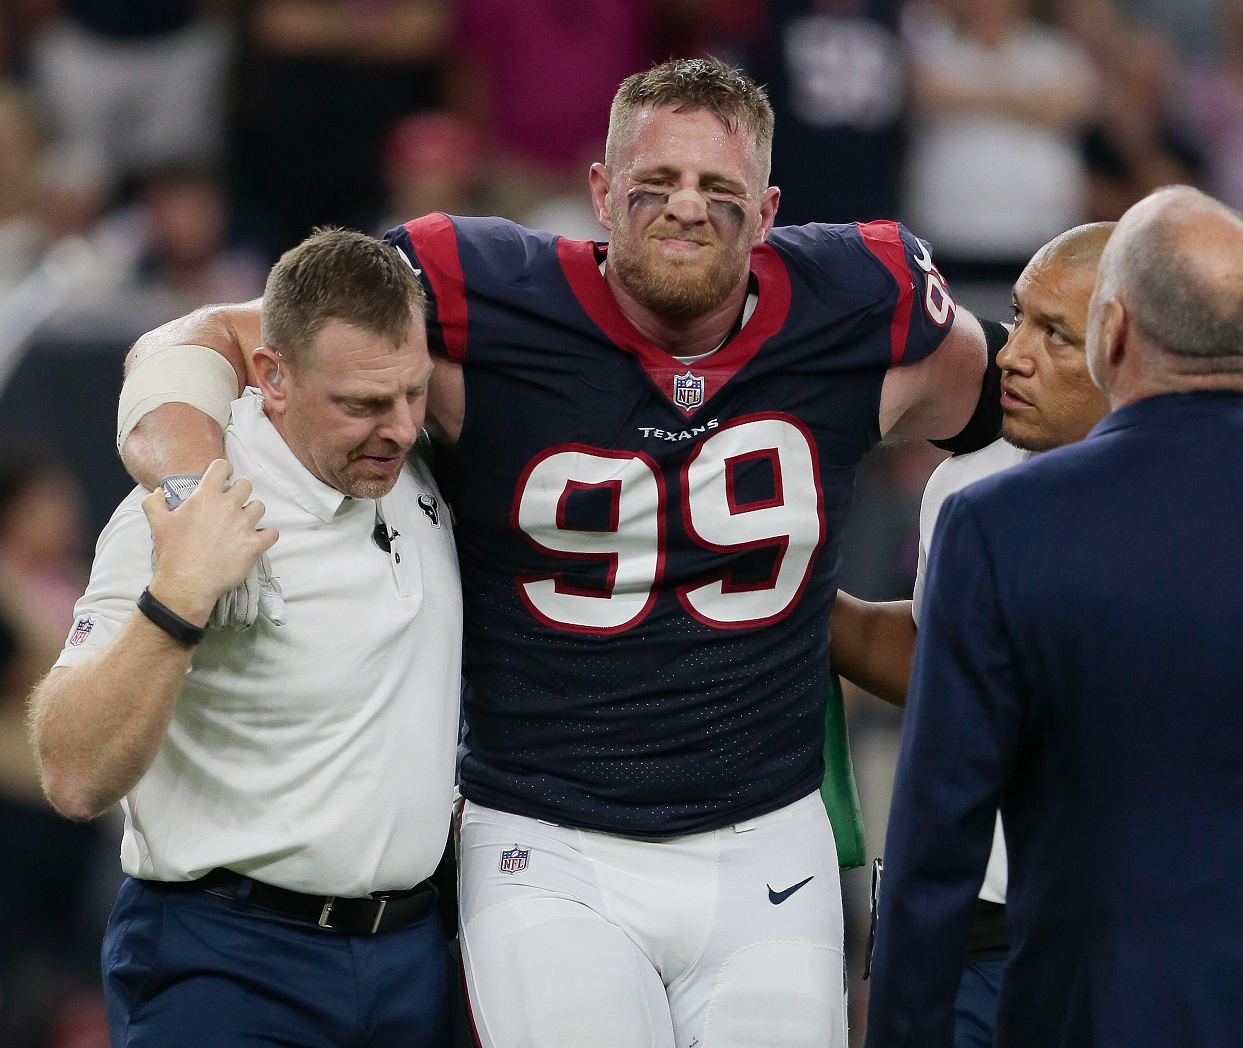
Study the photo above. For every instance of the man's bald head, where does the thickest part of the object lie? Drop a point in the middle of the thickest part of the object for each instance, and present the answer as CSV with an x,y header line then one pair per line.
x,y
1080,246
1167,310
1174,264
1047,395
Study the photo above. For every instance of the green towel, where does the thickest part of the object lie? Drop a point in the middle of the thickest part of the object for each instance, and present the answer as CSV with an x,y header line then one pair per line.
x,y
841,798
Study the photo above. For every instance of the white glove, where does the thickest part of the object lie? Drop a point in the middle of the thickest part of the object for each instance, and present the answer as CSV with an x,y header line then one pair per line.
x,y
258,594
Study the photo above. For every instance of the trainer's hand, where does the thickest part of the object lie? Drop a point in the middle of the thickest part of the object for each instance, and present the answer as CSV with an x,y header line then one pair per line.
x,y
208,545
259,593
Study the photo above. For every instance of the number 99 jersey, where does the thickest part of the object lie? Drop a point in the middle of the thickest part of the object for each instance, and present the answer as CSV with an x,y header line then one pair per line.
x,y
649,548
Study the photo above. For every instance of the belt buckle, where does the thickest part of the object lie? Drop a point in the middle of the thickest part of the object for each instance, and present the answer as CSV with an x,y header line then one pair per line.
x,y
325,915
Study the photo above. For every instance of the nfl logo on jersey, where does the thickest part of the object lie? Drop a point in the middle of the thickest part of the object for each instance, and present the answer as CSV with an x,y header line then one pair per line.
x,y
688,391
82,630
514,860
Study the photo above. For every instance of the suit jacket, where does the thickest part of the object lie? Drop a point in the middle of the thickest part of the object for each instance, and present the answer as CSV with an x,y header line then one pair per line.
x,y
1080,666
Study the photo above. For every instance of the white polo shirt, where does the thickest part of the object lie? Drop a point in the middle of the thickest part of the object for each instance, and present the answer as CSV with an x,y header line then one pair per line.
x,y
317,755
953,474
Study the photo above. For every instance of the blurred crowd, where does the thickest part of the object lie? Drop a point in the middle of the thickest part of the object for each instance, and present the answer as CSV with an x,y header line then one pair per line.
x,y
157,155
189,142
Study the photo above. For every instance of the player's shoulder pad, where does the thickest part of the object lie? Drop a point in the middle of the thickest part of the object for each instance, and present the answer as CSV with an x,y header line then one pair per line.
x,y
880,267
484,248
835,250
465,261
828,256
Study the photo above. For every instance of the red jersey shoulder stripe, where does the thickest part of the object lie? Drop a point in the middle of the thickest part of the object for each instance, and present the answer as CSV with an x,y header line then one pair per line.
x,y
435,246
884,240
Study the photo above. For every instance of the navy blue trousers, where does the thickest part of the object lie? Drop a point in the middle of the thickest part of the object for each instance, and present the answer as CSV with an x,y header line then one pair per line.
x,y
975,1008
182,967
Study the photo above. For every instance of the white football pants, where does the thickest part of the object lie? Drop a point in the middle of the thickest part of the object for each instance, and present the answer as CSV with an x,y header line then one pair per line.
x,y
724,939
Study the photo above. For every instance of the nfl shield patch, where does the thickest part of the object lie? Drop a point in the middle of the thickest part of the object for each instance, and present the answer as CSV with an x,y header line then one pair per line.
x,y
81,630
514,860
688,391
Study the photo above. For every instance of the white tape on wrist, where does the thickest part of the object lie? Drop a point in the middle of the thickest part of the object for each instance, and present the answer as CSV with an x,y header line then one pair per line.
x,y
193,375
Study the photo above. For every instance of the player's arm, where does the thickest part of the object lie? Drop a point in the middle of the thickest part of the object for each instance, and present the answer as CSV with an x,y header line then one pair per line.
x,y
934,398
873,644
175,401
98,725
446,400
178,390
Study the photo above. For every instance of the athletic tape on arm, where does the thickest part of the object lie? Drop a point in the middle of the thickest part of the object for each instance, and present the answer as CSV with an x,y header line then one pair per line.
x,y
193,375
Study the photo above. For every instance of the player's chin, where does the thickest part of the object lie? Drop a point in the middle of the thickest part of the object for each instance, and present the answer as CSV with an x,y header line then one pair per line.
x,y
1025,433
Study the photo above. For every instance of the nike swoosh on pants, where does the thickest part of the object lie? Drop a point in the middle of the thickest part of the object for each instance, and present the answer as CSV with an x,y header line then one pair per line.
x,y
777,898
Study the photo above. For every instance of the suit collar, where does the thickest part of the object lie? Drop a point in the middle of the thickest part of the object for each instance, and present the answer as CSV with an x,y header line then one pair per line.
x,y
1166,405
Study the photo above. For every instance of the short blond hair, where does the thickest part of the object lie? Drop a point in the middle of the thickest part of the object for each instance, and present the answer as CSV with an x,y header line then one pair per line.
x,y
690,84
339,274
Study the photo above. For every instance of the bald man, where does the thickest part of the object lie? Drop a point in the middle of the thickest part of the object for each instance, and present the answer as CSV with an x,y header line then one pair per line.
x,y
1078,666
1047,400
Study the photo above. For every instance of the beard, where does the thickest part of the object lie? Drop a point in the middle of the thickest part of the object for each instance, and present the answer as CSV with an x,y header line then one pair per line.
x,y
1030,440
357,488
355,481
677,290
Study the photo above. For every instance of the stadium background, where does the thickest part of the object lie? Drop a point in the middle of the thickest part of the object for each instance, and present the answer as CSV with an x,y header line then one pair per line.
x,y
157,155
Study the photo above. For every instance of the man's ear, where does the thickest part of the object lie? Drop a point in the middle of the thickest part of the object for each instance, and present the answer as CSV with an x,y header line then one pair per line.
x,y
1114,329
271,372
768,212
601,200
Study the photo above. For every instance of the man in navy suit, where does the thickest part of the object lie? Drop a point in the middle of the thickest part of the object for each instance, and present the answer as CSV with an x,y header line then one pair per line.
x,y
1078,666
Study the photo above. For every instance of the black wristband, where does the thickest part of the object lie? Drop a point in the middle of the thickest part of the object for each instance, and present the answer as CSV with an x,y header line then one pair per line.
x,y
169,621
984,426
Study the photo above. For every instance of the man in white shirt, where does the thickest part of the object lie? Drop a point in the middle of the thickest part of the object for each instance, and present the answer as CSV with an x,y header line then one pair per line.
x,y
1047,400
286,787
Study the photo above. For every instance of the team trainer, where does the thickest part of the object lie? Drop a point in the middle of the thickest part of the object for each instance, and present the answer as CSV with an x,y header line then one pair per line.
x,y
286,788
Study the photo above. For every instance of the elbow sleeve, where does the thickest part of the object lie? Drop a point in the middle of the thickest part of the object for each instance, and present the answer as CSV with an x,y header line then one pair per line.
x,y
193,375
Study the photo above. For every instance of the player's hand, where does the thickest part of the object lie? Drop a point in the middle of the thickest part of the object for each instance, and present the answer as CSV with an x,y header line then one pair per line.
x,y
208,546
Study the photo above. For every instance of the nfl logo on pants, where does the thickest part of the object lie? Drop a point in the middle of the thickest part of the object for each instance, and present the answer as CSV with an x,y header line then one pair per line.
x,y
514,860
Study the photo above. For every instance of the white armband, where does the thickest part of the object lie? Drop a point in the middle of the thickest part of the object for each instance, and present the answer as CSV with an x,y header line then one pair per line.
x,y
193,375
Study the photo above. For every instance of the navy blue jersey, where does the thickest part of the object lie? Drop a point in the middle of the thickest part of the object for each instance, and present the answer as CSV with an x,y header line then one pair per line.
x,y
649,549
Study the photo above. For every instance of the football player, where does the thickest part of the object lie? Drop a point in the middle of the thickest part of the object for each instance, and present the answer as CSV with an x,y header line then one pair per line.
x,y
649,448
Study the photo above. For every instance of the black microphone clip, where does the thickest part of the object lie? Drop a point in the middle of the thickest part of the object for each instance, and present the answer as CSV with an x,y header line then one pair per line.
x,y
383,537
379,535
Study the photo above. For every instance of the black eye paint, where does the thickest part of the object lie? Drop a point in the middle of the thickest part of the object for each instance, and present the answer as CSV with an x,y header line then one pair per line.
x,y
725,215
646,203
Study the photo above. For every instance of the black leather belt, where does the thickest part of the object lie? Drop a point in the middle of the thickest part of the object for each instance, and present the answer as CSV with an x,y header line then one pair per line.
x,y
381,912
